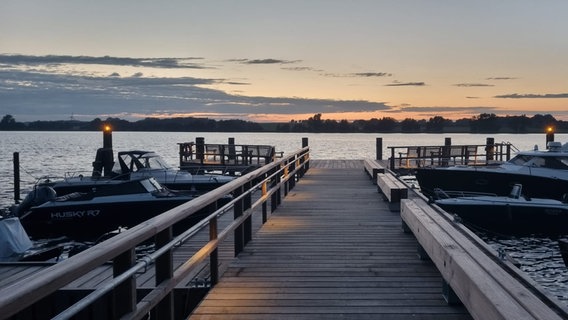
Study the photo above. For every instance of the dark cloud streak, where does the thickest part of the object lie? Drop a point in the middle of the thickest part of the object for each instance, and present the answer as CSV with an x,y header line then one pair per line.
x,y
533,96
473,85
406,84
169,63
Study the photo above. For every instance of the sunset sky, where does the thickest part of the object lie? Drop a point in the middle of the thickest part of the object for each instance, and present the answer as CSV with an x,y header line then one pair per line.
x,y
275,60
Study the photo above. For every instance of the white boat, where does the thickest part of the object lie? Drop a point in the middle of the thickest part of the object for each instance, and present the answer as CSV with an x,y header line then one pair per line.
x,y
515,213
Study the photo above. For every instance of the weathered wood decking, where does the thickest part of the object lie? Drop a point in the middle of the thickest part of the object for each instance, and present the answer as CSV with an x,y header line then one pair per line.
x,y
332,250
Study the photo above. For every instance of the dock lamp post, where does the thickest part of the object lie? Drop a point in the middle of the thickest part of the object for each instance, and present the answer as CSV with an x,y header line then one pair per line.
x,y
107,136
104,160
549,135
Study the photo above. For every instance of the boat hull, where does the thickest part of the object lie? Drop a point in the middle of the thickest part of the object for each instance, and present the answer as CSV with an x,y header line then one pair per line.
x,y
509,218
87,222
485,180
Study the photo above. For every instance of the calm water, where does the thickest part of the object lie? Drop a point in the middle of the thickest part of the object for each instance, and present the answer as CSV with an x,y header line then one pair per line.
x,y
58,153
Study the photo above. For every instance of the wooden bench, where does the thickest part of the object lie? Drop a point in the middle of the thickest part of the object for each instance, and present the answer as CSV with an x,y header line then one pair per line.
x,y
472,275
373,167
392,189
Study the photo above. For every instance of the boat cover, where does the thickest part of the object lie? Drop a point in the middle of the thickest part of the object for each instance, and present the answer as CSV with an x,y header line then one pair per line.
x,y
13,238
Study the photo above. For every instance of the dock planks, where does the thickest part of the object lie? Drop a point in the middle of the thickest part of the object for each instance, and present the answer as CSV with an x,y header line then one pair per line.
x,y
332,250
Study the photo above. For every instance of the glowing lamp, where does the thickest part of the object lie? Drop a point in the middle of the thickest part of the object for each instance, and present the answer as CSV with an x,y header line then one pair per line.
x,y
107,136
549,129
549,135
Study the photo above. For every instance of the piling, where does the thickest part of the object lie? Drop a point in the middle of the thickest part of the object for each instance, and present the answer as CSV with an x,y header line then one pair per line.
x,y
17,177
379,148
200,149
490,149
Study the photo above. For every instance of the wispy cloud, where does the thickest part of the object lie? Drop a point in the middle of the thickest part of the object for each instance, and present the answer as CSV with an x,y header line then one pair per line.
x,y
372,74
501,78
534,96
473,85
266,61
441,109
405,84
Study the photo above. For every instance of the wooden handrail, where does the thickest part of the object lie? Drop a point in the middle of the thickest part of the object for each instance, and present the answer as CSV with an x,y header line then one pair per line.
x,y
23,294
444,155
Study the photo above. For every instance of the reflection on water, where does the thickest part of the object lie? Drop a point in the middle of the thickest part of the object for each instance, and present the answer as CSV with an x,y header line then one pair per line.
x,y
538,256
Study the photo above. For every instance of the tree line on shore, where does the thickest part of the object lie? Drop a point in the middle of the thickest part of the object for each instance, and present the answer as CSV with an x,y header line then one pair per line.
x,y
484,123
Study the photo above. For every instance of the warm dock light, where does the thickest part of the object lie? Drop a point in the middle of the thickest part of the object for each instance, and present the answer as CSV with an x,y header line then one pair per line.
x,y
549,135
107,136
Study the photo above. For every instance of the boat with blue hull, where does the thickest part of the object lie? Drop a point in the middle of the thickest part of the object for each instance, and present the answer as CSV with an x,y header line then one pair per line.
x,y
543,174
512,214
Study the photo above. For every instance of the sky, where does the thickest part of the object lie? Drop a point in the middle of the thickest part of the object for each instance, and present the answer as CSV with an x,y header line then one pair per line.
x,y
277,61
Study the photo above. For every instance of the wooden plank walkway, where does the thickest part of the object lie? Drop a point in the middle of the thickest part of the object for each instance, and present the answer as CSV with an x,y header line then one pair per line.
x,y
332,250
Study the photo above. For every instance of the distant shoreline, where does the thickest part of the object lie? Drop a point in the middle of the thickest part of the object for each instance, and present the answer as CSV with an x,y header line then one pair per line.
x,y
484,123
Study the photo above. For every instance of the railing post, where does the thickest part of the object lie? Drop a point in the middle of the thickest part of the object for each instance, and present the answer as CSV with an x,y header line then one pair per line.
x,y
214,256
247,204
164,272
275,197
279,189
305,144
264,206
292,180
124,295
392,159
237,213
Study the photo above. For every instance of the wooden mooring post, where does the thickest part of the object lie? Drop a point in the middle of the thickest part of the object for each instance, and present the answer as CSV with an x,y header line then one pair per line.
x,y
17,177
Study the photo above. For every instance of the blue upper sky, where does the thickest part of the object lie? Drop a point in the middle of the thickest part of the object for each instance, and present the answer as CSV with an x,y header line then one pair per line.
x,y
280,60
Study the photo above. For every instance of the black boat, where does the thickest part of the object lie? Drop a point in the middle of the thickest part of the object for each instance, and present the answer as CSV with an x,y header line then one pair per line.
x,y
543,174
512,214
135,164
88,215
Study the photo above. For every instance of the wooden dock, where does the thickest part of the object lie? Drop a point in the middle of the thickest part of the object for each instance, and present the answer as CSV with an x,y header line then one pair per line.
x,y
332,250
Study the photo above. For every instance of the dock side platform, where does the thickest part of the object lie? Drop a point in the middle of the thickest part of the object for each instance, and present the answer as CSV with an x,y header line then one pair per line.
x,y
332,250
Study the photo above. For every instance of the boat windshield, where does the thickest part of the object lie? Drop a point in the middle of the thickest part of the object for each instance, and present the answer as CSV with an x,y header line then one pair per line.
x,y
151,185
557,162
153,161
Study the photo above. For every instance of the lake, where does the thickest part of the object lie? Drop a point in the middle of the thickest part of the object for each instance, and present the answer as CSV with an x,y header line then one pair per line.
x,y
58,153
